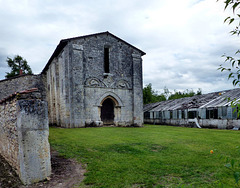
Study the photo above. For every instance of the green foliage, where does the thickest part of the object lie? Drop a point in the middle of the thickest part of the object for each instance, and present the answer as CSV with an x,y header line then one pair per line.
x,y
17,64
187,93
235,103
151,96
233,67
234,6
233,61
233,166
152,156
234,72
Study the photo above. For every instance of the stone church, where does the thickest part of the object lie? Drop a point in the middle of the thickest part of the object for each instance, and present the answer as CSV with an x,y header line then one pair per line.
x,y
91,80
94,80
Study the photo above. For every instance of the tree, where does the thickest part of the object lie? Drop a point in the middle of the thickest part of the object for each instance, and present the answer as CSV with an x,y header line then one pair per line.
x,y
18,66
151,96
233,61
186,93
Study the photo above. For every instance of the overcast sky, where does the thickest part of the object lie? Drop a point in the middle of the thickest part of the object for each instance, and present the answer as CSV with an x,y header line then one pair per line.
x,y
183,39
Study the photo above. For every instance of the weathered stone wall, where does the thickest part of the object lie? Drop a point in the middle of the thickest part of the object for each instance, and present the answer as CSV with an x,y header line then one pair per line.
x,y
123,109
76,80
9,133
20,83
58,96
137,90
24,135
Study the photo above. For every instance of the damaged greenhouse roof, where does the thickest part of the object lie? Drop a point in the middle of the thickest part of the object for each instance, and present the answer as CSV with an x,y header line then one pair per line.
x,y
211,100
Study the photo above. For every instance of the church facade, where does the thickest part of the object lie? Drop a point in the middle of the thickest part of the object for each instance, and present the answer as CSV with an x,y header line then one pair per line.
x,y
94,80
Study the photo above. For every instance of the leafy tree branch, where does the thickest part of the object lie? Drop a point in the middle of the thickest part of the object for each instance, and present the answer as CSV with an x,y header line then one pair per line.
x,y
18,66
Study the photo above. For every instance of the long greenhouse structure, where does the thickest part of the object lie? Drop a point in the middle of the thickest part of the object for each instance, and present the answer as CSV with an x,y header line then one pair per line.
x,y
213,110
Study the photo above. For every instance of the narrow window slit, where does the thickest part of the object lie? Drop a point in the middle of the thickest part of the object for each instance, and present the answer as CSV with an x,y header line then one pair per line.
x,y
106,60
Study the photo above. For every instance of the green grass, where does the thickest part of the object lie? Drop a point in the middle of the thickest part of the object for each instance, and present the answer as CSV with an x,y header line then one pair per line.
x,y
153,156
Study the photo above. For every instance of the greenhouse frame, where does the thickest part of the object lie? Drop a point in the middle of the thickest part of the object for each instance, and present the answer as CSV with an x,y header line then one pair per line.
x,y
213,110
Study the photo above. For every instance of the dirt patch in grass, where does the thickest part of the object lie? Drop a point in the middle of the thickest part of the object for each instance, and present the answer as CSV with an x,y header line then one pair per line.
x,y
170,181
8,177
66,173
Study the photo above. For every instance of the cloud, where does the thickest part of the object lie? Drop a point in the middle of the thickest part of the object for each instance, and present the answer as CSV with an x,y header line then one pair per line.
x,y
3,58
189,53
184,40
3,64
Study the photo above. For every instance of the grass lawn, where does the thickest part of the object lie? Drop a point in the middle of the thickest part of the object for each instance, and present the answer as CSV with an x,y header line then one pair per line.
x,y
153,156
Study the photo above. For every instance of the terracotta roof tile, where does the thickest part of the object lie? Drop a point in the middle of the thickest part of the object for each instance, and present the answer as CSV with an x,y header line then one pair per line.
x,y
20,92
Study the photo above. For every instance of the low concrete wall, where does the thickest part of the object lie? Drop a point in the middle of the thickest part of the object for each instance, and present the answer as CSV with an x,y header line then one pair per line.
x,y
204,123
24,135
220,123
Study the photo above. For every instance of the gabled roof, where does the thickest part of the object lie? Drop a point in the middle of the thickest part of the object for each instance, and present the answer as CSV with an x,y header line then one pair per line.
x,y
210,100
64,42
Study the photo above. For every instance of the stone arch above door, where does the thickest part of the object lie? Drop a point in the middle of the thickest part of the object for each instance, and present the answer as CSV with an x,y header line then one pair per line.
x,y
118,102
116,110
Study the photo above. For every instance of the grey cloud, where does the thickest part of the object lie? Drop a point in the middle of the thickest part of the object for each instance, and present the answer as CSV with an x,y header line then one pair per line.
x,y
183,50
3,57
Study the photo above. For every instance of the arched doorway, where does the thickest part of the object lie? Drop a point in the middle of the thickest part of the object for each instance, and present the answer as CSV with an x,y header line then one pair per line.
x,y
107,111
